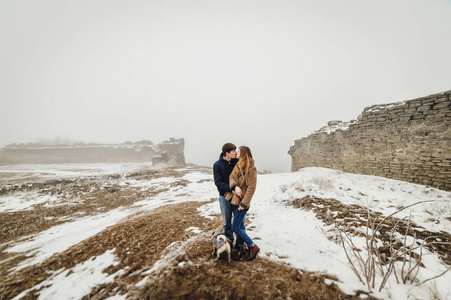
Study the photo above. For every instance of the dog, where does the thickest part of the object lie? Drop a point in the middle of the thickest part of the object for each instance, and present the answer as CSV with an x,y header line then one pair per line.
x,y
220,244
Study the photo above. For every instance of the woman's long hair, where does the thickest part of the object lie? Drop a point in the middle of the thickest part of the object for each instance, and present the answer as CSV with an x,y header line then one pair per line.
x,y
245,160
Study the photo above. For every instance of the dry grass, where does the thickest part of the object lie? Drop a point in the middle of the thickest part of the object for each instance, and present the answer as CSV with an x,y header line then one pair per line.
x,y
351,219
41,217
196,275
141,240
79,198
138,242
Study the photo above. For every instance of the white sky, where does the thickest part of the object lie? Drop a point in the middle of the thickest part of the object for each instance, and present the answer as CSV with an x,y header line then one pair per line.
x,y
256,73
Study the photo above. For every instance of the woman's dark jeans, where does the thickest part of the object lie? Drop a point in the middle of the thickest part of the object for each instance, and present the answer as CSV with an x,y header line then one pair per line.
x,y
239,228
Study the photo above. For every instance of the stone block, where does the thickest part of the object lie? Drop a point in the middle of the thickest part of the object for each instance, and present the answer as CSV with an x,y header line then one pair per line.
x,y
444,164
441,99
417,117
428,100
424,107
414,103
431,112
432,118
441,105
410,110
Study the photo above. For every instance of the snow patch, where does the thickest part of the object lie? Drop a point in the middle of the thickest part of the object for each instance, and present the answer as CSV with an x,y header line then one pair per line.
x,y
25,201
78,281
59,238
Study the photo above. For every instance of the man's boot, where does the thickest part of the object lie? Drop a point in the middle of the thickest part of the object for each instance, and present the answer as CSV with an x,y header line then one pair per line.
x,y
241,253
253,250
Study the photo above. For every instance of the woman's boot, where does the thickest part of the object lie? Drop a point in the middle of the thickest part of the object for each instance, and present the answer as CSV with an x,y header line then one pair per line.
x,y
253,250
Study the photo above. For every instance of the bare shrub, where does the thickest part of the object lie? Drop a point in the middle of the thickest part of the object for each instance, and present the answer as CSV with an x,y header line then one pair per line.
x,y
382,260
283,188
323,183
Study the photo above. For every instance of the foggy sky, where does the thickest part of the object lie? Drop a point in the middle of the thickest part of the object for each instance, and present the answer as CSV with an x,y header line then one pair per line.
x,y
256,73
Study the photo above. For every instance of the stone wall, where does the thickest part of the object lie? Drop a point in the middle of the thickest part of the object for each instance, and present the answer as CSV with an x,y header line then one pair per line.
x,y
168,152
409,140
171,152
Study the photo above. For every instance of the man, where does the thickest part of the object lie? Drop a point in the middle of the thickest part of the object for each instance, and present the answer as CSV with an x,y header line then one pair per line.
x,y
221,172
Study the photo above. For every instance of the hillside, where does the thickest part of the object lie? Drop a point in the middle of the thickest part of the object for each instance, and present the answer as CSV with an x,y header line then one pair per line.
x,y
133,231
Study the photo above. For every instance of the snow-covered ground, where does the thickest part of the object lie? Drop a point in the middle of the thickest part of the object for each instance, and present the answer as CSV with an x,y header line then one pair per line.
x,y
302,240
10,173
283,232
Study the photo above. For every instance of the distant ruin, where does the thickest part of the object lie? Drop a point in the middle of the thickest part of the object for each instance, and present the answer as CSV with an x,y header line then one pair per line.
x,y
409,140
168,152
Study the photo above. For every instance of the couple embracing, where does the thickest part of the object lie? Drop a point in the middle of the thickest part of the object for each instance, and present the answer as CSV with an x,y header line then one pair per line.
x,y
235,177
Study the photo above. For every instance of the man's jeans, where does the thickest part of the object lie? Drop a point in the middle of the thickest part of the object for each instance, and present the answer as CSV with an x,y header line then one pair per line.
x,y
226,210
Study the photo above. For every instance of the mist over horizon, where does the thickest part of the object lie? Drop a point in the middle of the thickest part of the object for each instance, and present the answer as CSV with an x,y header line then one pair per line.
x,y
256,74
207,161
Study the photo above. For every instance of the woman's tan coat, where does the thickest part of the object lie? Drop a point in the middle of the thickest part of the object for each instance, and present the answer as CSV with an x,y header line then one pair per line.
x,y
237,179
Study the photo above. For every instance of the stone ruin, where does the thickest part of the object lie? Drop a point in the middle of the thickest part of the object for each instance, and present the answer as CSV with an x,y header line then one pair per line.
x,y
168,152
409,141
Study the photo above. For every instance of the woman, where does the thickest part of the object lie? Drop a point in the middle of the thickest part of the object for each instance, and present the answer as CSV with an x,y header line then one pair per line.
x,y
243,182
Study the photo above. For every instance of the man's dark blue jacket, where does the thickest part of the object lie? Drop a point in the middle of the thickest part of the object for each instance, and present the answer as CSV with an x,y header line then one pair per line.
x,y
221,172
